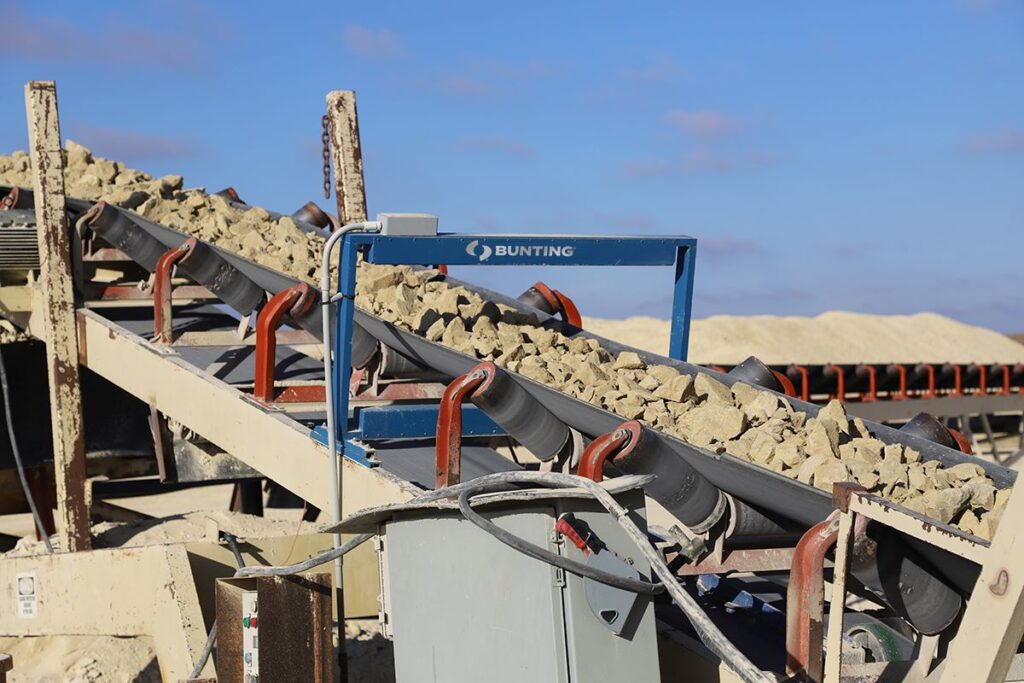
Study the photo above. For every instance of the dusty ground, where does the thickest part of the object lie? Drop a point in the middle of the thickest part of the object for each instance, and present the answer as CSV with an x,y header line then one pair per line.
x,y
78,659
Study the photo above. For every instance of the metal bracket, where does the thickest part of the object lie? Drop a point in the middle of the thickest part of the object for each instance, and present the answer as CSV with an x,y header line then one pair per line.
x,y
295,300
163,308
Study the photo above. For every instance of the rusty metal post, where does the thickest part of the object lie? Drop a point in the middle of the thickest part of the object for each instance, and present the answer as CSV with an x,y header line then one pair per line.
x,y
805,602
58,313
346,156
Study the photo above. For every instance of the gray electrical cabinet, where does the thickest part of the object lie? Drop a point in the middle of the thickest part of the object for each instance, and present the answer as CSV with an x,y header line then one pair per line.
x,y
463,607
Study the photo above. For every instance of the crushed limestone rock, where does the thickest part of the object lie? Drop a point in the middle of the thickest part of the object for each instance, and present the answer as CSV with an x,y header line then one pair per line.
x,y
749,423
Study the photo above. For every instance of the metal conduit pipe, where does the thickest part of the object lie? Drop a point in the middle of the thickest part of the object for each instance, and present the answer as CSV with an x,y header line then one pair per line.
x,y
119,230
325,331
207,267
523,416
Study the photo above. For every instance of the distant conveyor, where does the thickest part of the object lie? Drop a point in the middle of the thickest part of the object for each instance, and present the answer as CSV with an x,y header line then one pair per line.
x,y
917,580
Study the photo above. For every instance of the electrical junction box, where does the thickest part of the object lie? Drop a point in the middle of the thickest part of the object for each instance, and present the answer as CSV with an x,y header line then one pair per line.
x,y
407,224
463,607
286,619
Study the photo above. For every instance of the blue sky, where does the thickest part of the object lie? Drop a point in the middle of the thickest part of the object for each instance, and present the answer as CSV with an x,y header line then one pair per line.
x,y
867,157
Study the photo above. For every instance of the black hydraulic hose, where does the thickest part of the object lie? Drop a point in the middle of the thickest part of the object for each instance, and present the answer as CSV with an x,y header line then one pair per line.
x,y
538,553
233,544
17,458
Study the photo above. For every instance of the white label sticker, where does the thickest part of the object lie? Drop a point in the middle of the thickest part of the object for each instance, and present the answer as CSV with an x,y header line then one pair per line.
x,y
27,595
250,637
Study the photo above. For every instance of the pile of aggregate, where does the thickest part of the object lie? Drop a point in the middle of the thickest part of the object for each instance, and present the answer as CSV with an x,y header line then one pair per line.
x,y
273,241
749,423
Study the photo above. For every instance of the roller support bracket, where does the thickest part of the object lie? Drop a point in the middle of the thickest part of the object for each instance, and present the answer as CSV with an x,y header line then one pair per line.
x,y
603,447
805,602
163,322
295,301
553,302
448,460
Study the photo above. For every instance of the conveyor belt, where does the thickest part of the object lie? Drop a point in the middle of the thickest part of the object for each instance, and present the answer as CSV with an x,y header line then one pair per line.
x,y
747,482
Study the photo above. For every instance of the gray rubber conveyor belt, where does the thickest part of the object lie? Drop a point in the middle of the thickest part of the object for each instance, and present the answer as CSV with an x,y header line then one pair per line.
x,y
920,581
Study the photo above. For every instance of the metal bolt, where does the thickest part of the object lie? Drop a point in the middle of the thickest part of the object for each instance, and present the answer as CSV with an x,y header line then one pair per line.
x,y
629,561
1001,583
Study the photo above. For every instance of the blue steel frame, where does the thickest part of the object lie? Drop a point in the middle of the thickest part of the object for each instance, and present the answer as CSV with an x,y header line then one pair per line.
x,y
505,250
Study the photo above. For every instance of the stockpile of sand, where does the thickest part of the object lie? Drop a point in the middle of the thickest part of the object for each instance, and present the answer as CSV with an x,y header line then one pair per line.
x,y
833,337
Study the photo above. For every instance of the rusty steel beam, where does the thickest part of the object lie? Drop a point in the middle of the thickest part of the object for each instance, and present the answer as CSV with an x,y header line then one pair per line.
x,y
346,156
400,391
133,293
58,313
741,560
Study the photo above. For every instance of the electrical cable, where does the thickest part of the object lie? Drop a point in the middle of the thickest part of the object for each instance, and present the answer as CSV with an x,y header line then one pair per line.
x,y
706,629
326,298
17,458
211,637
525,547
233,544
306,565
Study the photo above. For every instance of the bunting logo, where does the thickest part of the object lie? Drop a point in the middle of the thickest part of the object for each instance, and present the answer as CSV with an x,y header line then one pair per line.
x,y
483,252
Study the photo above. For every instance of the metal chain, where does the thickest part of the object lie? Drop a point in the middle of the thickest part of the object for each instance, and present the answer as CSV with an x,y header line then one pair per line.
x,y
325,139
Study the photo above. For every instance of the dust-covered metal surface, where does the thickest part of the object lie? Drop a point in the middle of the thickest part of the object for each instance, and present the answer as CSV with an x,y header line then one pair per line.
x,y
58,313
